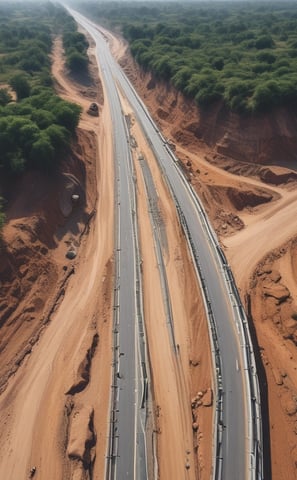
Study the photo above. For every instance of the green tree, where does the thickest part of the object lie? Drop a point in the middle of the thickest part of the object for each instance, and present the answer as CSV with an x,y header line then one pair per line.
x,y
77,62
58,135
20,84
5,97
265,41
266,56
43,118
67,115
28,134
15,162
266,95
43,154
181,78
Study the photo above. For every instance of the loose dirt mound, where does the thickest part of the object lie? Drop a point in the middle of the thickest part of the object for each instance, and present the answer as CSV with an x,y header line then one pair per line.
x,y
277,175
83,372
247,198
277,301
274,175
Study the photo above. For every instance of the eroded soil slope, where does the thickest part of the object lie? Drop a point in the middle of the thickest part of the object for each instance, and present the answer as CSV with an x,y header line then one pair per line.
x,y
43,224
262,139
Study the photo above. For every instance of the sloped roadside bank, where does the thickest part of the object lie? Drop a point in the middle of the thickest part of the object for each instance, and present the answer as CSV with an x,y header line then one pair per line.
x,y
42,224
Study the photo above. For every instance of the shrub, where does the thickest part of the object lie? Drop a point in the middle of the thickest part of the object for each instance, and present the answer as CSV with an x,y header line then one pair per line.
x,y
67,115
20,84
266,94
267,57
237,93
5,97
42,118
58,135
265,41
42,154
77,62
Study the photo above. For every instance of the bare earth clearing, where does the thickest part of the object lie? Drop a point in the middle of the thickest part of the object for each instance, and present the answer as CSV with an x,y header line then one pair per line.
x,y
54,406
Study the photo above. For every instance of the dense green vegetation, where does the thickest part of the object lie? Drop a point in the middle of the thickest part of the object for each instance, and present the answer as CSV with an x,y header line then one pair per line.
x,y
35,131
35,128
244,54
75,45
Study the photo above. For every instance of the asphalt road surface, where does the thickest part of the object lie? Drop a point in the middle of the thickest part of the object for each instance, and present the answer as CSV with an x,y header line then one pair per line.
x,y
128,456
235,442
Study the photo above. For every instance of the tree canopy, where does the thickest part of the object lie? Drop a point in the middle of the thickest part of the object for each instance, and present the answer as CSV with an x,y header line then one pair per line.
x,y
244,54
36,128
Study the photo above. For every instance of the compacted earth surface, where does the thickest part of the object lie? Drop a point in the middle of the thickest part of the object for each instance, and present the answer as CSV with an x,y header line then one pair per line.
x,y
56,275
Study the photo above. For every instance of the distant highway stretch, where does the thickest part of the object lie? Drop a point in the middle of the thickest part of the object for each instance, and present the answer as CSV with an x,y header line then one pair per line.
x,y
237,446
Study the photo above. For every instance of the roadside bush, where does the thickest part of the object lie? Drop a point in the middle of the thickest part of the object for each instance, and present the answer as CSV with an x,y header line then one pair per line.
x,y
59,136
76,40
43,118
237,94
209,94
181,78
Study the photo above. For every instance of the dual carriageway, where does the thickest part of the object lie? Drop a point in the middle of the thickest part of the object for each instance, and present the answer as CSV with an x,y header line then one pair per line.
x,y
237,438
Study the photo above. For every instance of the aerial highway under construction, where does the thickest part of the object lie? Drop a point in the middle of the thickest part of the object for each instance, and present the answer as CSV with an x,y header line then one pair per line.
x,y
237,444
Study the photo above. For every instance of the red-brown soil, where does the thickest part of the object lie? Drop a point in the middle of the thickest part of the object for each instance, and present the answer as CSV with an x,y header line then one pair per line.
x,y
41,225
